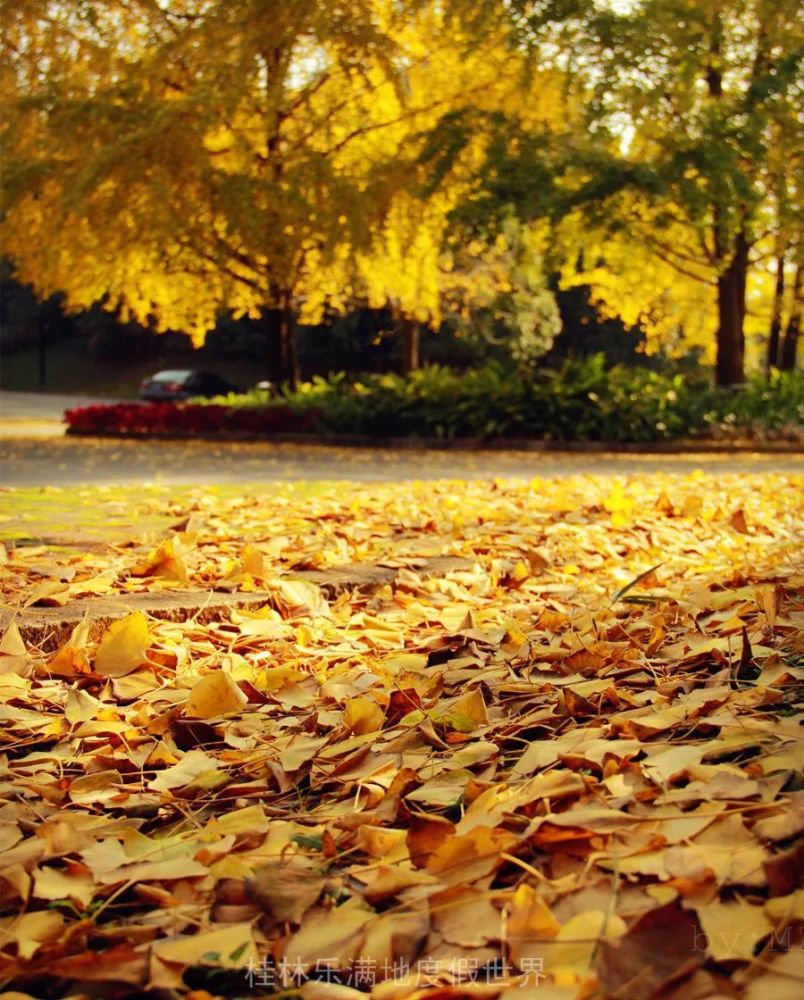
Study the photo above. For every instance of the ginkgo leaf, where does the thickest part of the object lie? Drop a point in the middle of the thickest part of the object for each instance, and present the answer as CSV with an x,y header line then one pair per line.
x,y
11,644
471,856
472,706
31,931
577,941
80,706
10,834
467,917
51,883
215,695
252,561
96,788
530,922
193,764
338,940
166,560
297,597
444,790
733,929
783,909
779,977
123,646
249,821
286,891
72,658
363,715
230,947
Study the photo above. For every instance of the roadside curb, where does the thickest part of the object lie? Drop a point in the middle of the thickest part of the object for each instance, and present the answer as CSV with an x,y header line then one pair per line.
x,y
25,427
681,447
47,628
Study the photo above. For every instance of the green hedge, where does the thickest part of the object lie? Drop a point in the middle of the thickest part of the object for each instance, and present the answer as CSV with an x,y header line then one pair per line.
x,y
583,401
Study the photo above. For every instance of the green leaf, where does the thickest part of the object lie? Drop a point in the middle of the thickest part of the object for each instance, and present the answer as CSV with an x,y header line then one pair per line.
x,y
629,586
314,842
238,952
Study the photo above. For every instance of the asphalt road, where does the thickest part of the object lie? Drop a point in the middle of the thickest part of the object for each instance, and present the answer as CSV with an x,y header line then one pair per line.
x,y
37,415
39,406
35,452
63,461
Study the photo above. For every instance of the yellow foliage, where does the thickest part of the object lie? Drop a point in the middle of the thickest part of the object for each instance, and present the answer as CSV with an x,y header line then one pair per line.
x,y
660,276
124,646
311,189
633,277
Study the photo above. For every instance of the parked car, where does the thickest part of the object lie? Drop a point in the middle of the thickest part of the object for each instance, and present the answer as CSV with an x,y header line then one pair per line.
x,y
171,385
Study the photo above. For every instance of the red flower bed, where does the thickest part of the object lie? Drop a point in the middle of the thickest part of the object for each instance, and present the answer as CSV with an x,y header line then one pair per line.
x,y
186,420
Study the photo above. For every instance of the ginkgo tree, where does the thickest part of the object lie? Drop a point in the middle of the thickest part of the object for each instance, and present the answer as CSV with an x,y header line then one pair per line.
x,y
698,90
174,161
421,262
630,278
691,108
196,167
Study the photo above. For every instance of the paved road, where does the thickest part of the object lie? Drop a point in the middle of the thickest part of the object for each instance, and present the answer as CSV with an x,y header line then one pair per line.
x,y
34,452
64,461
39,407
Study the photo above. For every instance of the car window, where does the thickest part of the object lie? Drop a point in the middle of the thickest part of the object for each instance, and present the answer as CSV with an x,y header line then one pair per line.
x,y
172,376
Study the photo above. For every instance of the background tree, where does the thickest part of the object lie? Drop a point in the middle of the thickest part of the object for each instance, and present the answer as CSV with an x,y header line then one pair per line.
x,y
202,164
501,295
675,160
175,162
701,85
259,159
783,243
467,75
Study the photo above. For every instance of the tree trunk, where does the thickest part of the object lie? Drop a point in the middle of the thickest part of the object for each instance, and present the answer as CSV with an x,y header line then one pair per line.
x,y
774,333
730,364
288,356
280,327
793,328
411,335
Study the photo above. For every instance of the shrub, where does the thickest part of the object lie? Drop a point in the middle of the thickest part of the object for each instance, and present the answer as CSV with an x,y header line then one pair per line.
x,y
581,401
187,419
760,408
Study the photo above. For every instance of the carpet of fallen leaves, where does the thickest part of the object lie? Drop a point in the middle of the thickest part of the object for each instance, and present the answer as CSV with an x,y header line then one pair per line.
x,y
570,770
